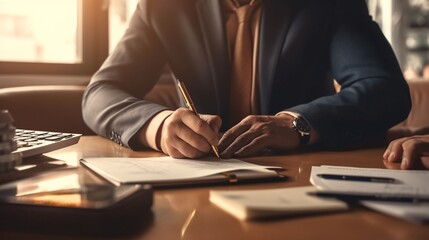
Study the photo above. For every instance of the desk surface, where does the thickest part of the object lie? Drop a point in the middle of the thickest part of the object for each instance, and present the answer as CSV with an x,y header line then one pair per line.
x,y
186,213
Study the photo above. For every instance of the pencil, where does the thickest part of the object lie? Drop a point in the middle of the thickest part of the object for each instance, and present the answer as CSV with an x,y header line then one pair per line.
x,y
191,107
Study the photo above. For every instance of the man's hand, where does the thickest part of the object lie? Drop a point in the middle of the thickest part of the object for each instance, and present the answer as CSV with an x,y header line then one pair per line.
x,y
256,134
186,135
410,151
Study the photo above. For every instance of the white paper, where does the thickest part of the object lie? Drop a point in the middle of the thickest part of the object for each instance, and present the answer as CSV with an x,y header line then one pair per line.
x,y
414,212
414,182
165,169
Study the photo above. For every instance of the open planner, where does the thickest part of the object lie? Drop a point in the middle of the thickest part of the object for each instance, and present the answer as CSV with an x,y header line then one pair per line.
x,y
167,171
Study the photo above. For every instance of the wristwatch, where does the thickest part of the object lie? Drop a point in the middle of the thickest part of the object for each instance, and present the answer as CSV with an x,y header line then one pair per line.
x,y
301,126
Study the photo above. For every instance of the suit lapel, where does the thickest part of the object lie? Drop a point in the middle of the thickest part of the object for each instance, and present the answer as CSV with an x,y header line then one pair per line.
x,y
276,18
213,29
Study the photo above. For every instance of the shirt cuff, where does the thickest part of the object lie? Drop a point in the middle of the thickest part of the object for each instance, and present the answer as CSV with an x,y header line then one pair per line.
x,y
293,114
153,128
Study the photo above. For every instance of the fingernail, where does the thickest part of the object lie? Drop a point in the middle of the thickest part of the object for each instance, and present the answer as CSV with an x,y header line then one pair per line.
x,y
386,154
391,157
404,164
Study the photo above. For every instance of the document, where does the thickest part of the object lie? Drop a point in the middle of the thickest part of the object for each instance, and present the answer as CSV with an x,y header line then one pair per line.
x,y
400,193
412,212
380,181
170,171
255,204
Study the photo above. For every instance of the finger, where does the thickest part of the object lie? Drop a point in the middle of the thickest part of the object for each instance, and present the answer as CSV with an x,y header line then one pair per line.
x,y
256,146
168,148
241,141
412,150
177,148
200,127
229,136
215,122
387,152
390,165
187,150
395,150
174,153
192,138
172,142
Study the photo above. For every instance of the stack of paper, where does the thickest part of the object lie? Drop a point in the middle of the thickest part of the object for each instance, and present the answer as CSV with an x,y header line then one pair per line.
x,y
400,193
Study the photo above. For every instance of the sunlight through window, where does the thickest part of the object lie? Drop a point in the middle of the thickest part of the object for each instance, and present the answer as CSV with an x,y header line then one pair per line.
x,y
120,12
47,31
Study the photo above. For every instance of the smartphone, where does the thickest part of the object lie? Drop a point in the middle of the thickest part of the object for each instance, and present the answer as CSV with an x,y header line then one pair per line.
x,y
75,208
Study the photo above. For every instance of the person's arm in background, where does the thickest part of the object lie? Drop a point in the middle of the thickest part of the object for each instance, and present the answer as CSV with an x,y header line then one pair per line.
x,y
412,151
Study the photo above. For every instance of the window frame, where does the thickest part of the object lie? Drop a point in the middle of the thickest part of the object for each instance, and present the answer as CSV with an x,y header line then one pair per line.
x,y
94,46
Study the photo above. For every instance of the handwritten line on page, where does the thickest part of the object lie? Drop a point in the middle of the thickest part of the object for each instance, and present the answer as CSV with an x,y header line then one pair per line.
x,y
165,169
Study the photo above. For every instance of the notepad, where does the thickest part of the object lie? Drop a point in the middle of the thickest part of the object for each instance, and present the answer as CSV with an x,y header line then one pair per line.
x,y
256,204
166,171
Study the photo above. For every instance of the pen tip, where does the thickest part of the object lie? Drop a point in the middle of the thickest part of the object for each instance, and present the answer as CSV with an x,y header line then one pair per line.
x,y
216,151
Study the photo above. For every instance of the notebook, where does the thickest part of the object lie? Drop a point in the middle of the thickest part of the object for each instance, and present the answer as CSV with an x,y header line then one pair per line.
x,y
168,171
256,204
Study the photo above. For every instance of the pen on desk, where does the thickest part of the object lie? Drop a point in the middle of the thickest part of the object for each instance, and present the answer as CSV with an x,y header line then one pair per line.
x,y
359,178
354,197
191,106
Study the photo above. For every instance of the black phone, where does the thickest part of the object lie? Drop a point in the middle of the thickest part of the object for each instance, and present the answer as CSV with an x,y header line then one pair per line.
x,y
82,208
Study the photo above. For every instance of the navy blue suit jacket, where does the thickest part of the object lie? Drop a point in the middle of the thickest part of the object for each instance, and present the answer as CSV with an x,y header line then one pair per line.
x,y
304,45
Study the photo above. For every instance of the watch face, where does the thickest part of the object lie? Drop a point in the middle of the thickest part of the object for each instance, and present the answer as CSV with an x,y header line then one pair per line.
x,y
301,125
303,129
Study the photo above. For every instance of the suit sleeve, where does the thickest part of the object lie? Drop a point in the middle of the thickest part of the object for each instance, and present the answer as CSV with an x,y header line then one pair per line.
x,y
112,103
374,95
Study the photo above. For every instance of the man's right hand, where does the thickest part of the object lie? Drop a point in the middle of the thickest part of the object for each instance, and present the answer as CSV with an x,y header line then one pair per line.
x,y
186,135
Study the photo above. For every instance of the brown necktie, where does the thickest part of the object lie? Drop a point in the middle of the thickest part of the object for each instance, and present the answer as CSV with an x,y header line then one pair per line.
x,y
241,80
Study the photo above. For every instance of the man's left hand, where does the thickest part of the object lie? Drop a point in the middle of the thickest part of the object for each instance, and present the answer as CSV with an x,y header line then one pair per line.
x,y
256,134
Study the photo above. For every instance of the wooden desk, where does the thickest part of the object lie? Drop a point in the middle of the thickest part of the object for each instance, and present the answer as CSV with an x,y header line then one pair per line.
x,y
186,213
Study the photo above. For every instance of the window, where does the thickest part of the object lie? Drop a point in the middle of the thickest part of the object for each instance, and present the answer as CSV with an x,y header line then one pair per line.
x,y
33,36
120,12
52,36
405,23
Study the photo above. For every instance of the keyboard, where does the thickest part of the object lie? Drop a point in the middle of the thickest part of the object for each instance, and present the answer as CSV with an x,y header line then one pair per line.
x,y
33,142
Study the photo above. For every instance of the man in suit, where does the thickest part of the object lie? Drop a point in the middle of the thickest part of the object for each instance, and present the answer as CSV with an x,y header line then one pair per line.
x,y
261,70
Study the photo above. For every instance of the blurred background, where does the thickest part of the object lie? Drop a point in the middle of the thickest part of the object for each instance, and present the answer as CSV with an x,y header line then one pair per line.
x,y
405,23
65,41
